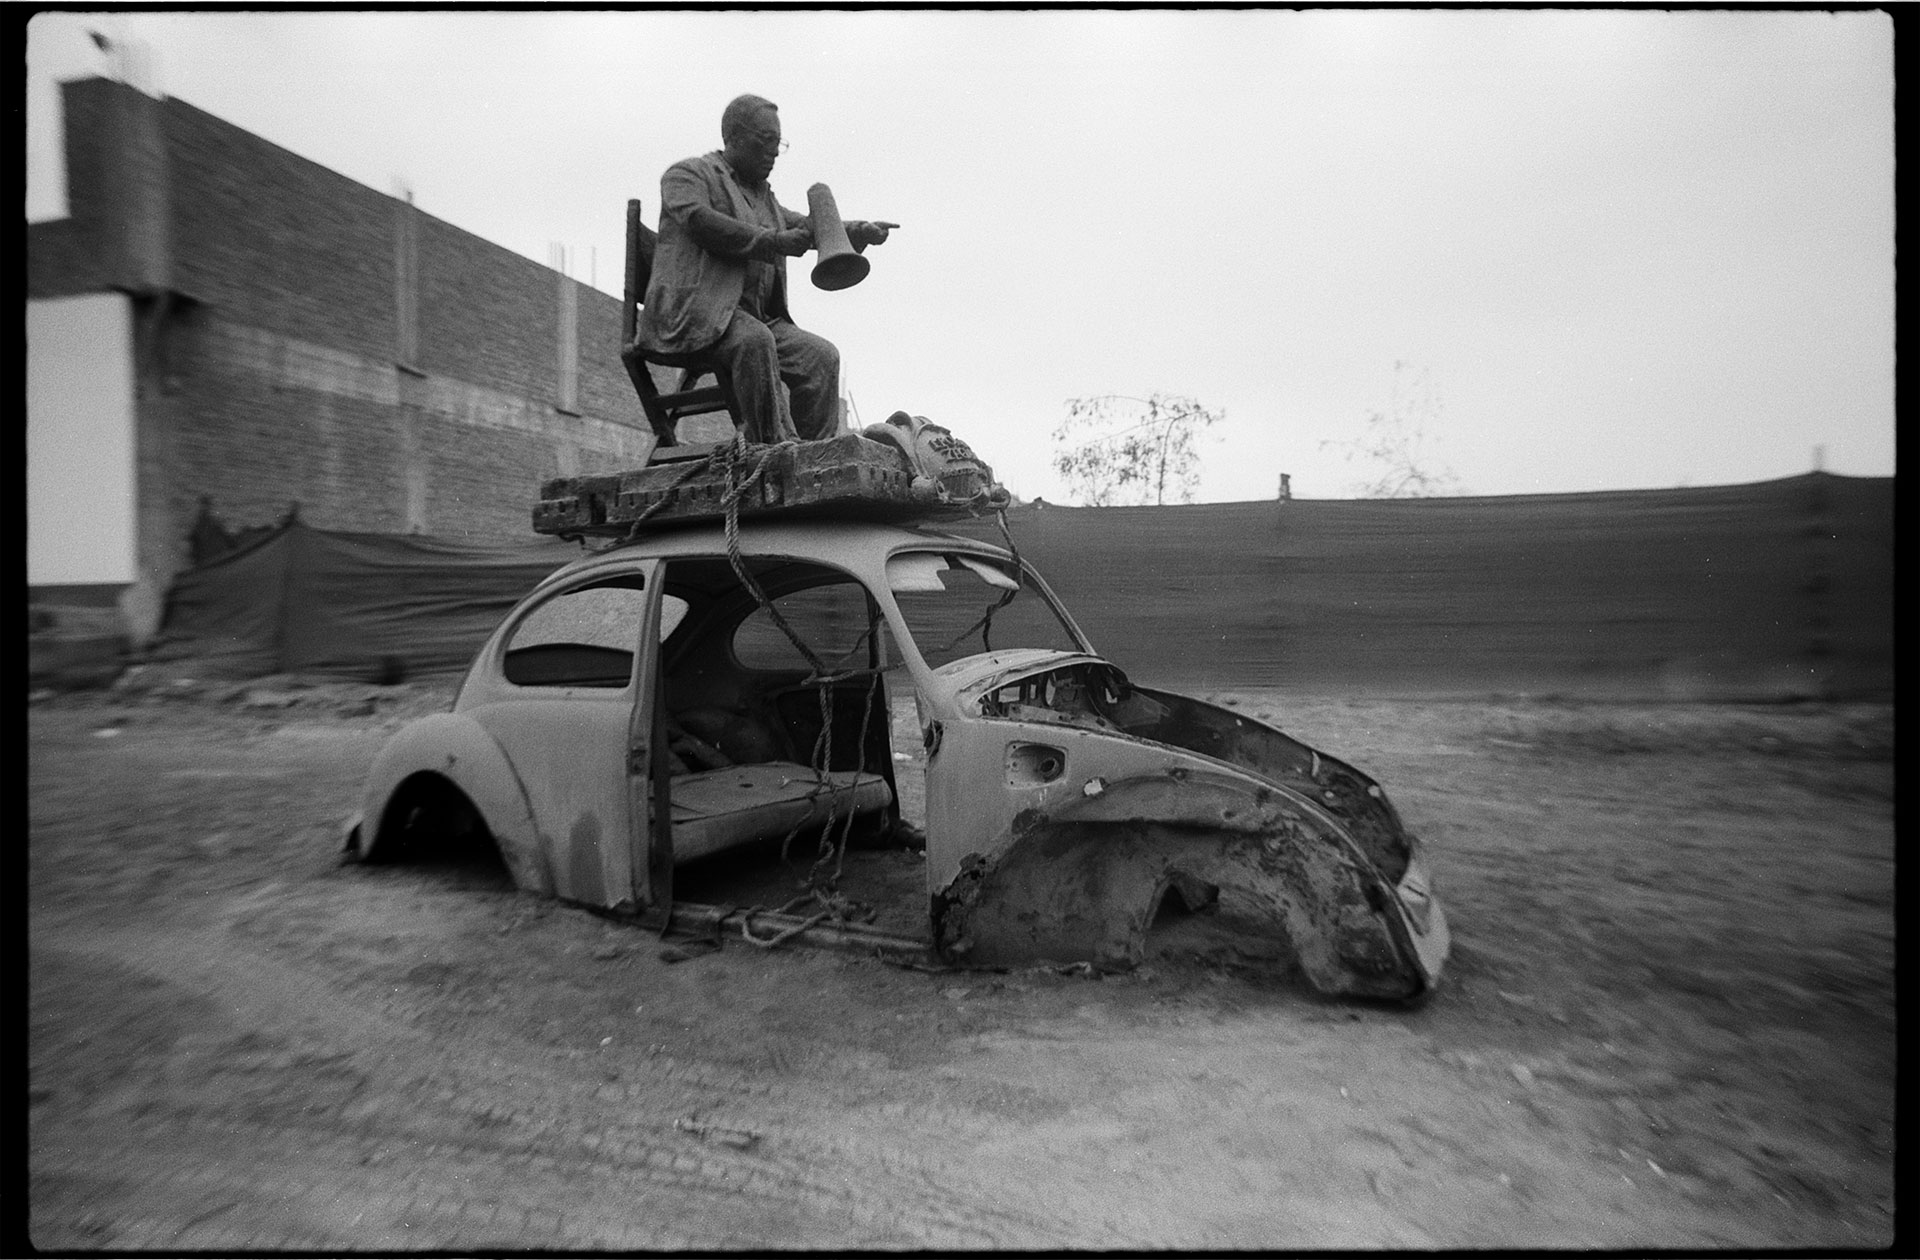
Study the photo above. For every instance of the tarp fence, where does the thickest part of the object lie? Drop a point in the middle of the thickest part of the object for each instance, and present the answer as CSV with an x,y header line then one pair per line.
x,y
1764,591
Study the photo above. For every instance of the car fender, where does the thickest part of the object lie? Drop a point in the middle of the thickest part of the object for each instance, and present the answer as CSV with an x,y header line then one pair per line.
x,y
459,750
1081,882
1182,796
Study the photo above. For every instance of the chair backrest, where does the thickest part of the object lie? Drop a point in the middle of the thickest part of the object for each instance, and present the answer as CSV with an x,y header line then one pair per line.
x,y
641,242
664,411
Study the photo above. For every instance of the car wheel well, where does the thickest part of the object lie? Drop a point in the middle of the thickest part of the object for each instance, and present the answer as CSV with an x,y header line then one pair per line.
x,y
1179,895
429,819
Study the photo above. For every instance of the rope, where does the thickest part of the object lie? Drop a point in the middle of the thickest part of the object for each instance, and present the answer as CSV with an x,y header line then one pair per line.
x,y
822,761
820,675
781,937
985,623
785,934
730,500
694,469
833,905
837,851
1018,566
820,886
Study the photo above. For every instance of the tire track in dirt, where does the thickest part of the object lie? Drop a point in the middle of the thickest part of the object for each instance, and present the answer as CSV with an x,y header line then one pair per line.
x,y
346,1059
344,1086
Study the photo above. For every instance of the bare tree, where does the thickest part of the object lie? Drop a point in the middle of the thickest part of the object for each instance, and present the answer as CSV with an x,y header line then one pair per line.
x,y
1395,443
1115,449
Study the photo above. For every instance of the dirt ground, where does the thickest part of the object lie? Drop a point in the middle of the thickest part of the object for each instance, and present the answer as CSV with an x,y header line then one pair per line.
x,y
1668,1020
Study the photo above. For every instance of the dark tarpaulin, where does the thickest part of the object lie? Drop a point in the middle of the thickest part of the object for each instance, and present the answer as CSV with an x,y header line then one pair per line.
x,y
1762,591
309,601
1765,591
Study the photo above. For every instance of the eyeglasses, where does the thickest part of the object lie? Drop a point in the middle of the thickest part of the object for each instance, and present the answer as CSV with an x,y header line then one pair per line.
x,y
769,144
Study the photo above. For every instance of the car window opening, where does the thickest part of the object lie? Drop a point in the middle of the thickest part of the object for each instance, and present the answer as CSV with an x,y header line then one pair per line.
x,y
778,725
958,605
581,637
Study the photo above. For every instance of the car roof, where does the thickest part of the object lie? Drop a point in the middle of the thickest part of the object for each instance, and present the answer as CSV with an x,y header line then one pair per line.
x,y
833,542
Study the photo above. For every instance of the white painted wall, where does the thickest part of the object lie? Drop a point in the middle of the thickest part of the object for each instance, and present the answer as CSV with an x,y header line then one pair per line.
x,y
80,440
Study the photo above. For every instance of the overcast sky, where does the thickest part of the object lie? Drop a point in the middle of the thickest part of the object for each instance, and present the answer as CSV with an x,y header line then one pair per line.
x,y
1626,248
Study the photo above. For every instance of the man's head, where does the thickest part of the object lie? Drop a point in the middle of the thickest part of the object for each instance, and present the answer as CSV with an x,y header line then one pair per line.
x,y
750,130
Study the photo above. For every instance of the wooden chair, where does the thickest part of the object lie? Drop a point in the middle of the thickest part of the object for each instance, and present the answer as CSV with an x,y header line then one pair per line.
x,y
689,397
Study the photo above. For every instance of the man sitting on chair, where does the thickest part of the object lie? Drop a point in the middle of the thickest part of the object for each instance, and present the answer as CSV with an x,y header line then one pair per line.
x,y
719,281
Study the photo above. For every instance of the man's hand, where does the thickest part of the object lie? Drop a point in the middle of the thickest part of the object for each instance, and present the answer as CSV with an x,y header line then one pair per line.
x,y
793,241
864,233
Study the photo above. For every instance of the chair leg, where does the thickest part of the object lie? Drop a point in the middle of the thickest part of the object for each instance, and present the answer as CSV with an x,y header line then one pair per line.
x,y
662,424
691,376
726,393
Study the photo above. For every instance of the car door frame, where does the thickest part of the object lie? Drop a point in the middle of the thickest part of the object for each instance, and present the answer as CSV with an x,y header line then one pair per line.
x,y
649,815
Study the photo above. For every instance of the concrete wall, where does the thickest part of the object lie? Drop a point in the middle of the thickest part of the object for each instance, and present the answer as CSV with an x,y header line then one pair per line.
x,y
300,337
80,441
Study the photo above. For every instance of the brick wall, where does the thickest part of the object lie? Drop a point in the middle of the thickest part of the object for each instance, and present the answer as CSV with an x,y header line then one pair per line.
x,y
284,369
273,241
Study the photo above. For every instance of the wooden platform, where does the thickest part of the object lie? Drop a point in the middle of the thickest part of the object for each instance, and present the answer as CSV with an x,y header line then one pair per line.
x,y
846,477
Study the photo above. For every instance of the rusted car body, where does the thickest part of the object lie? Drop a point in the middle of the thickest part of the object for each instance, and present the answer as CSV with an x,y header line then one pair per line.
x,y
1064,803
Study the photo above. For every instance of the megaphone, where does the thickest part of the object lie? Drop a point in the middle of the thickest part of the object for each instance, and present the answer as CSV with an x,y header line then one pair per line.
x,y
840,265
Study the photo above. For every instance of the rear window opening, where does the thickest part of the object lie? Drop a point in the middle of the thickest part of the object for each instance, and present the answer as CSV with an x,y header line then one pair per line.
x,y
584,637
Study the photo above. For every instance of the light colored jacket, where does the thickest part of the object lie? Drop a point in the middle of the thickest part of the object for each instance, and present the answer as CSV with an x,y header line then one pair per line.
x,y
708,234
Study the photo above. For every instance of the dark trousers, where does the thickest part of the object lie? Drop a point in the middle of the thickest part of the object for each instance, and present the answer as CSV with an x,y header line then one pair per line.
x,y
758,357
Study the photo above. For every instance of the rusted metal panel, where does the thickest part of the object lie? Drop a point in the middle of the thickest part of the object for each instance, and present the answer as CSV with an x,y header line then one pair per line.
x,y
1333,785
1083,883
455,747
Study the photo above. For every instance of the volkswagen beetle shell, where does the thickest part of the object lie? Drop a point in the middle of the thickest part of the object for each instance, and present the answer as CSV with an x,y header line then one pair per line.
x,y
1065,803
